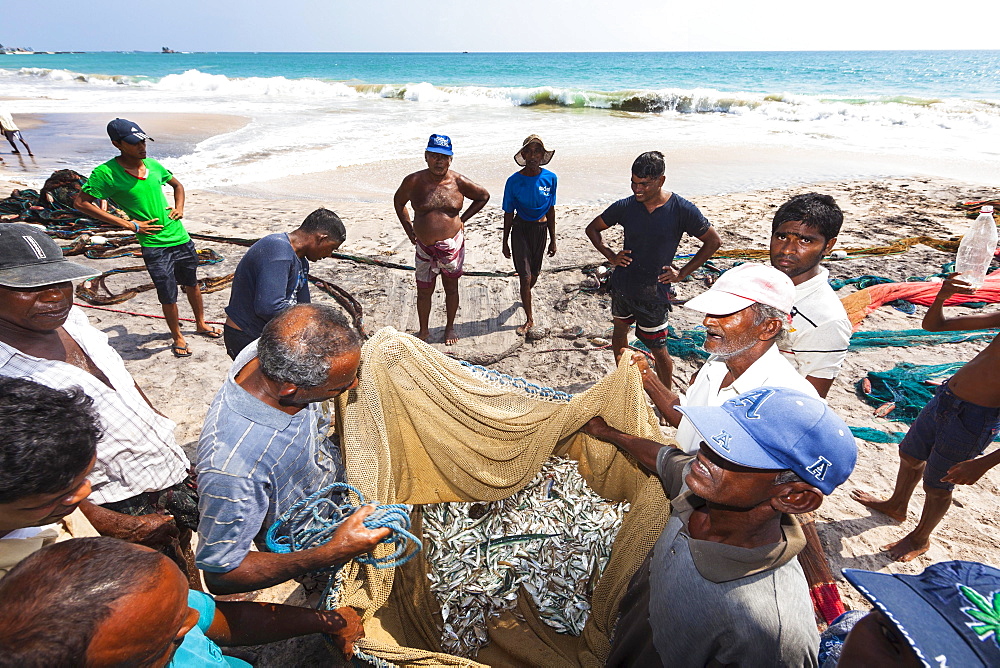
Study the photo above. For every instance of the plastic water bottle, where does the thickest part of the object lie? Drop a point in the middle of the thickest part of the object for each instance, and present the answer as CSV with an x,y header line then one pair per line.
x,y
977,248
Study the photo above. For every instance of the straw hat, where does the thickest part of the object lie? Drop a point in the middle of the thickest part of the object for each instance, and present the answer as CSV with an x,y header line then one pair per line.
x,y
534,139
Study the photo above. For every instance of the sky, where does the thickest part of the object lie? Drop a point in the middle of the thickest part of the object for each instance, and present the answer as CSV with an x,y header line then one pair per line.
x,y
497,25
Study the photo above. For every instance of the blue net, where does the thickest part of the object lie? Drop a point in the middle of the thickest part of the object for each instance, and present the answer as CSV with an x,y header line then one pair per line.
x,y
904,390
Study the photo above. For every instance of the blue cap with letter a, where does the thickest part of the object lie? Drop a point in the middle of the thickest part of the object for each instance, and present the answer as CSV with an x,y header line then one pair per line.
x,y
779,428
440,144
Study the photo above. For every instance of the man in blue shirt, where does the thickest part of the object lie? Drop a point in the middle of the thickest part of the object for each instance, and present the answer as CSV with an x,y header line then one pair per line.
x,y
265,445
529,212
273,275
105,602
654,221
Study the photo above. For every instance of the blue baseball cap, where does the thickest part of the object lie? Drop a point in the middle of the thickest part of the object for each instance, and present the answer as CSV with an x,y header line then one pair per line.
x,y
126,131
440,144
949,614
779,428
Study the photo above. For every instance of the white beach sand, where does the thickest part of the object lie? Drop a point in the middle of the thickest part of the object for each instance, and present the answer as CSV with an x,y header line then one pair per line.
x,y
877,211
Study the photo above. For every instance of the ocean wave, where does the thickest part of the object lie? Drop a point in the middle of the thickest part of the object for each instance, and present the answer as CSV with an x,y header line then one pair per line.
x,y
787,106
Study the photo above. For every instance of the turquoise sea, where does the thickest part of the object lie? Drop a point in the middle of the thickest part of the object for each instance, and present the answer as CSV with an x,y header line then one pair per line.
x,y
314,112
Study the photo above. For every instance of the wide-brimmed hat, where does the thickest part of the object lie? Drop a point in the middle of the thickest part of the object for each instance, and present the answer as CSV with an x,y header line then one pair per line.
x,y
744,285
30,259
534,139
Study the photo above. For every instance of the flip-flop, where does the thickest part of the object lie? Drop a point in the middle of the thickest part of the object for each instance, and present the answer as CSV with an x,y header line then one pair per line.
x,y
181,351
209,333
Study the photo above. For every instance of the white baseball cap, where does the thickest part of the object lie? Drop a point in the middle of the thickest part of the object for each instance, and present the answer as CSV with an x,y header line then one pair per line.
x,y
744,285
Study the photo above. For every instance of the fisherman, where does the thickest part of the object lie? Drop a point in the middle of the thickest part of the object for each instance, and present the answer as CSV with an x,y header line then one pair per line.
x,y
142,491
931,618
103,602
803,231
746,311
274,274
529,214
12,132
654,220
944,444
722,585
135,183
437,229
264,446
44,464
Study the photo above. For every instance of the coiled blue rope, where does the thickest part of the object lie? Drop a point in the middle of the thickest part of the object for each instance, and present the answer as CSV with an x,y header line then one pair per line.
x,y
312,521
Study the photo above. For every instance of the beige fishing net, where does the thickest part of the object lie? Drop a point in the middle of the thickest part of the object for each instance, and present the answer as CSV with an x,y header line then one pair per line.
x,y
422,428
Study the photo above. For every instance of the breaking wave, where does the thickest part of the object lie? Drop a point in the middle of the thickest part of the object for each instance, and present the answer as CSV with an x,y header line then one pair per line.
x,y
779,105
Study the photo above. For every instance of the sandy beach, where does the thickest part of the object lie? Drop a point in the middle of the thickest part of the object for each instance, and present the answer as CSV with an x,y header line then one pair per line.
x,y
876,211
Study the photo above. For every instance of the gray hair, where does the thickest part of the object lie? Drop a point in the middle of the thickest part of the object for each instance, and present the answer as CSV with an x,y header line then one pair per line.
x,y
764,312
299,344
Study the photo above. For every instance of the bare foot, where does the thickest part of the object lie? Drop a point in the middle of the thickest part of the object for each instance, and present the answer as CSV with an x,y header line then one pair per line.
x,y
422,334
866,499
450,337
523,329
906,549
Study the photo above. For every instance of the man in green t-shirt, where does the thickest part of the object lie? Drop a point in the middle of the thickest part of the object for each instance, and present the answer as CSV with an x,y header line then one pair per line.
x,y
135,183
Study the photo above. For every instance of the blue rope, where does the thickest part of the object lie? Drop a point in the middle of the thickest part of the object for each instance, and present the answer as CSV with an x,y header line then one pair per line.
x,y
517,383
312,521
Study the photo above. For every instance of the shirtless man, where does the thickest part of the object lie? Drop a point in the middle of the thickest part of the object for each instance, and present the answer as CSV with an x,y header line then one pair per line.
x,y
945,442
437,229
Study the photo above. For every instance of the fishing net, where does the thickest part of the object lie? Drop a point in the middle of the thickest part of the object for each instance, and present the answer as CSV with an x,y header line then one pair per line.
x,y
863,302
422,428
915,337
904,390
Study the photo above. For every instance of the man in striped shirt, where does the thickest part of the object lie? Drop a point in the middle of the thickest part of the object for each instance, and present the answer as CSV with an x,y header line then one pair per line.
x,y
265,445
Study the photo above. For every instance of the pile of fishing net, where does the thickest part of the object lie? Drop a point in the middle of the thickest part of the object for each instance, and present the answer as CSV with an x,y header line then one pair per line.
x,y
863,302
425,429
902,392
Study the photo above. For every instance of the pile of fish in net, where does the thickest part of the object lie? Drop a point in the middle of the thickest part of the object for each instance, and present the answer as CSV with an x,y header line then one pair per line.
x,y
553,538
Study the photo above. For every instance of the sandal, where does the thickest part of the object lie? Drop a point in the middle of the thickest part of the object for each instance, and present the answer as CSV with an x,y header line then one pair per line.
x,y
181,351
212,333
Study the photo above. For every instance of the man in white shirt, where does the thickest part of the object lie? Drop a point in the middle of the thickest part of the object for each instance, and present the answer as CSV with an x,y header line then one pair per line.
x,y
141,488
745,313
805,229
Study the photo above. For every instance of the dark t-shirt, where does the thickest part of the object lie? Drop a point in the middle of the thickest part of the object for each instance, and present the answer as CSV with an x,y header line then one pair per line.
x,y
269,279
653,239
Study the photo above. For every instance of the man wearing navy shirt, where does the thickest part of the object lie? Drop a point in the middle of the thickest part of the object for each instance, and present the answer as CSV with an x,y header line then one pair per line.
x,y
654,219
274,273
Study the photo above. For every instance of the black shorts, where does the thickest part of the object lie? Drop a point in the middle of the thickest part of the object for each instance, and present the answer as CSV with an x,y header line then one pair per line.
x,y
236,340
650,318
170,266
527,245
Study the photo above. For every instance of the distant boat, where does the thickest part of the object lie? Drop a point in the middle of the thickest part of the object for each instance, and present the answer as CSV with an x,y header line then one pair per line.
x,y
167,49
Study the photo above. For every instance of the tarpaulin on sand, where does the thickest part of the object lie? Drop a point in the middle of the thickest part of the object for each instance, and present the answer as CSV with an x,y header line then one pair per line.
x,y
421,428
863,302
